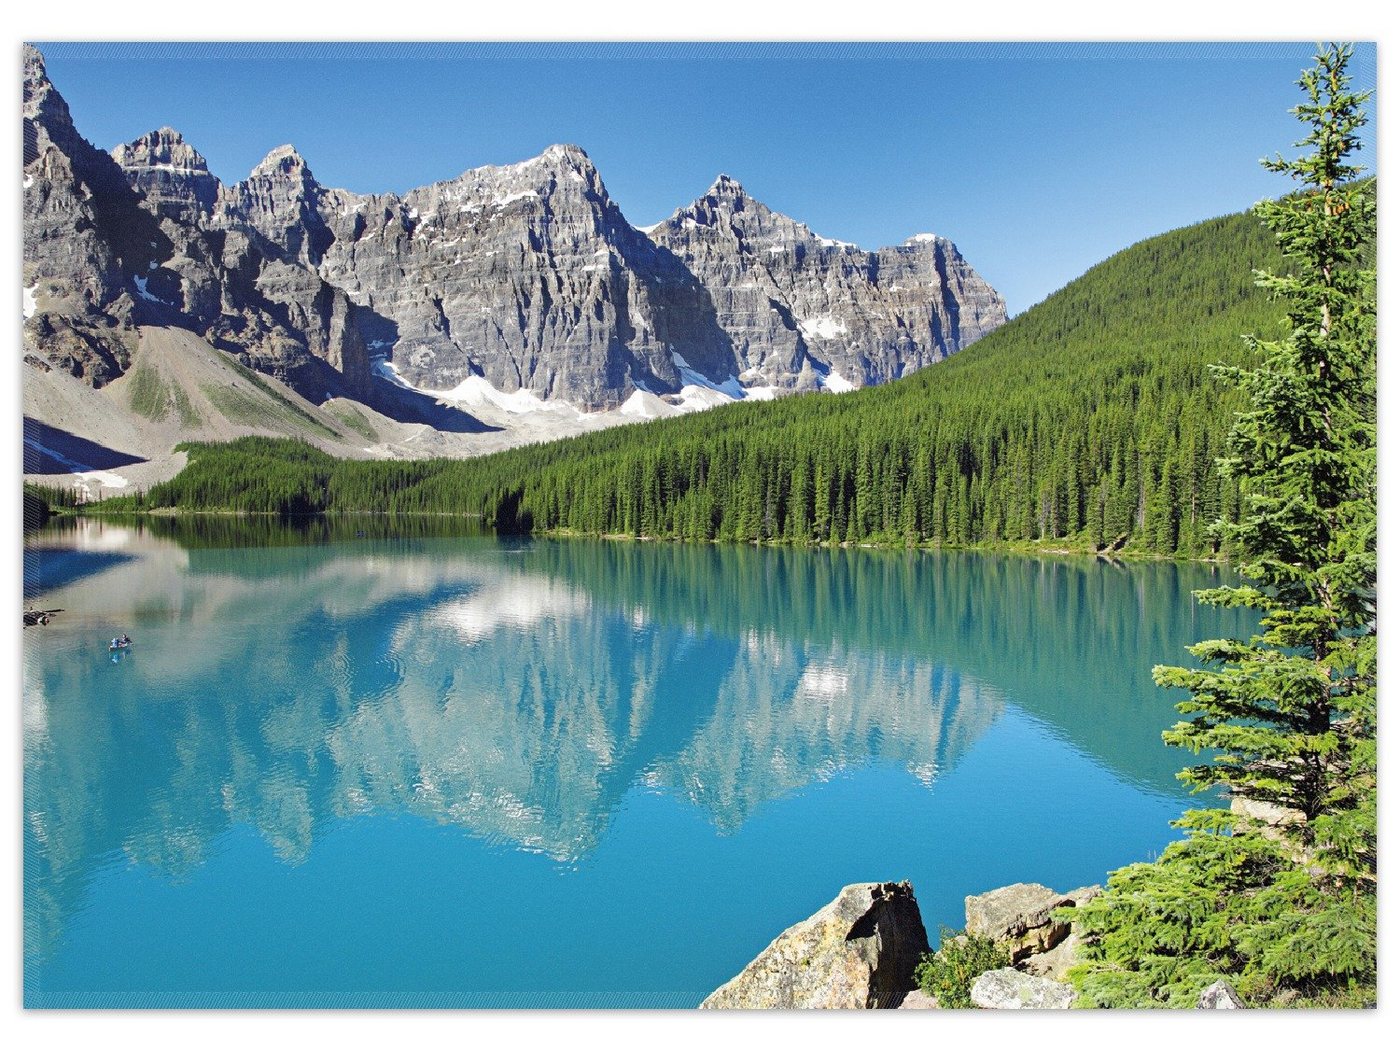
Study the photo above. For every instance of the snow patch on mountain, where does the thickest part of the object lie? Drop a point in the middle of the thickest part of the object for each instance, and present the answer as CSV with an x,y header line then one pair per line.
x,y
476,392
513,197
731,387
141,283
643,404
697,394
836,383
694,398
823,327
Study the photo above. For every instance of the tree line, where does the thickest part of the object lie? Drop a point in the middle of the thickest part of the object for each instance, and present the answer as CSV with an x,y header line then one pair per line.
x,y
1091,419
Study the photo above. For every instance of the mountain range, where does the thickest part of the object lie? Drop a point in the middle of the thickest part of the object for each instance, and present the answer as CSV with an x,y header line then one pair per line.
x,y
508,304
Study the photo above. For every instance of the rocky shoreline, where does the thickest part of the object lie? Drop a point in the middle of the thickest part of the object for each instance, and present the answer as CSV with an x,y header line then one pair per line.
x,y
861,950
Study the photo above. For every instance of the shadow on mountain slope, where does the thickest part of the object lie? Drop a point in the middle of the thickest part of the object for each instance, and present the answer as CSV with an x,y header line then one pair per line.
x,y
409,406
50,450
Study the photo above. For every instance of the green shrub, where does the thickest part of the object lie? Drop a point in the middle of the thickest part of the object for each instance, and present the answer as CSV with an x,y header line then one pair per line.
x,y
948,973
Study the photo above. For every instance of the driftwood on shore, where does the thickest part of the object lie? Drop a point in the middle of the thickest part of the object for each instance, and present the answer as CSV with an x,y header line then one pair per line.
x,y
39,617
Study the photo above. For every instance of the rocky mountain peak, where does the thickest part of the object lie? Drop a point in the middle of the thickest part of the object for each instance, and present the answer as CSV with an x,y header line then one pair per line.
x,y
170,174
811,312
44,107
34,70
526,276
727,194
725,186
568,153
562,175
84,232
563,163
927,240
280,199
725,205
163,148
282,161
571,167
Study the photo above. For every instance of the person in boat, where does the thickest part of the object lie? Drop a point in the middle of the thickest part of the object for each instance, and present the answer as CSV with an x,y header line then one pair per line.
x,y
124,640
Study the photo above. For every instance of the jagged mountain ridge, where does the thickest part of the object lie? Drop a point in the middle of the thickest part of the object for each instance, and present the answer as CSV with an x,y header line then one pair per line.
x,y
150,237
806,310
526,276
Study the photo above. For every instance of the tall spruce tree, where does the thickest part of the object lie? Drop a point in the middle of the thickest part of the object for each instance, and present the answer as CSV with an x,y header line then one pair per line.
x,y
1280,898
1291,713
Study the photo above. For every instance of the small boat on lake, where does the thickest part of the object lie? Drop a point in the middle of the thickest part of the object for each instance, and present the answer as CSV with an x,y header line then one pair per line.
x,y
117,644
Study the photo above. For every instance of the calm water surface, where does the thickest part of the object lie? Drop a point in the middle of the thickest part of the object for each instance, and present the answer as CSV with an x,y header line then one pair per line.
x,y
397,770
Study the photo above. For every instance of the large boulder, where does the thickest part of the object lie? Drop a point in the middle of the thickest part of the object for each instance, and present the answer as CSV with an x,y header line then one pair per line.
x,y
1009,989
1268,814
858,952
1021,916
1055,963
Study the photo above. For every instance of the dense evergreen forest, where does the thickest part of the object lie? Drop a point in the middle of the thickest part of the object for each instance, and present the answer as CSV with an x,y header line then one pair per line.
x,y
1091,420
41,501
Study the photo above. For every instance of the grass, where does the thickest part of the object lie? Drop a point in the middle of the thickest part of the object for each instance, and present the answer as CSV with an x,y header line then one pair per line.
x,y
189,416
348,415
241,407
149,396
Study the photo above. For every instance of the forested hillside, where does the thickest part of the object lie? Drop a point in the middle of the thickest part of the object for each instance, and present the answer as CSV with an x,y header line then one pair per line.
x,y
1093,419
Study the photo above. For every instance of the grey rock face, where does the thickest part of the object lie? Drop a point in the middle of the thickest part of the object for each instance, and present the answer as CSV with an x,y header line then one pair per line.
x,y
1020,918
1219,996
170,175
148,236
801,307
82,226
1274,821
525,274
1084,894
1009,989
858,952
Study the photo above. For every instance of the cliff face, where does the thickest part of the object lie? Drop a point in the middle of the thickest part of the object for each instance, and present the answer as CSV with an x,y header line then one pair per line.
x,y
77,304
525,275
170,175
807,311
148,235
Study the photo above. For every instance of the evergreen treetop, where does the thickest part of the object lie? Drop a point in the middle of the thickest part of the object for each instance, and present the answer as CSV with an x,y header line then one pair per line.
x,y
1288,709
1281,903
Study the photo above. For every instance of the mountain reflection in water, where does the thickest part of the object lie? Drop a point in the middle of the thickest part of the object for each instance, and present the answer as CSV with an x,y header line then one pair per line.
x,y
519,690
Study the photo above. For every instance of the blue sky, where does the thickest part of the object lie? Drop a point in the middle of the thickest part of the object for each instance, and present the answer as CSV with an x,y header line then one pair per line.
x,y
1039,160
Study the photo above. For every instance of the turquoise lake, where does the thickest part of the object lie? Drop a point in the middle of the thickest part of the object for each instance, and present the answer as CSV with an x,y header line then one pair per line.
x,y
361,766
